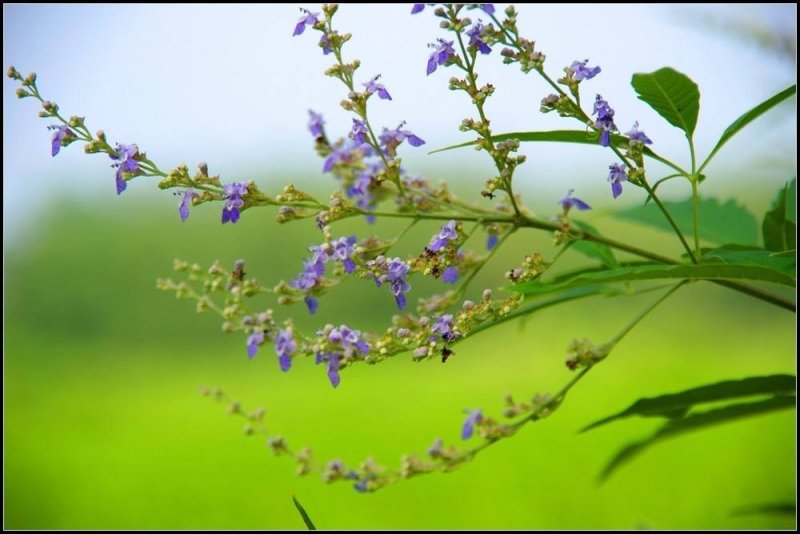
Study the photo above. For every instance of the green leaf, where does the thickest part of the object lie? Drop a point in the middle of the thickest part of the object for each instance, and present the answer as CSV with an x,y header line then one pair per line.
x,y
694,422
778,229
563,136
703,271
785,262
594,250
677,405
747,118
720,223
307,520
672,94
777,508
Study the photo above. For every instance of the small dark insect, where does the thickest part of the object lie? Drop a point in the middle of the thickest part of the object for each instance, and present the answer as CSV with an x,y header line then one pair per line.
x,y
238,271
487,194
436,271
446,353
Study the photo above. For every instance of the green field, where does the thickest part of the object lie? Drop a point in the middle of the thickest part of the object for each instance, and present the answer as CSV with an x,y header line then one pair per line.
x,y
104,427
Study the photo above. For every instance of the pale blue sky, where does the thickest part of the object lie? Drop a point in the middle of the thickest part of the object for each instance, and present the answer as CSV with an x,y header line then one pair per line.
x,y
229,85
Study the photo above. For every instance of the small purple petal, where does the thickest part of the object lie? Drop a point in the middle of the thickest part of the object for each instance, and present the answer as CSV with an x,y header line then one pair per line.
x,y
616,189
413,140
417,8
605,138
569,202
253,342
492,241
333,370
312,304
401,301
474,418
183,209
450,275
431,65
122,185
384,94
636,135
285,361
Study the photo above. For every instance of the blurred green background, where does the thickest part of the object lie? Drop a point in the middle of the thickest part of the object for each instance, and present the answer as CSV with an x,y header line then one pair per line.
x,y
104,426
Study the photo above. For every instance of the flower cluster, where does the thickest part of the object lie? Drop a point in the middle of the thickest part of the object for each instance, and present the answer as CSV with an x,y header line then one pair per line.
x,y
393,271
343,345
311,278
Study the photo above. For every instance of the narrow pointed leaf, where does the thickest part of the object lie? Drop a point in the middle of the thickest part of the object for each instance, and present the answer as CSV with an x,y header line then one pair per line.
x,y
778,228
562,136
747,118
694,422
785,261
672,94
677,405
708,271
306,519
777,508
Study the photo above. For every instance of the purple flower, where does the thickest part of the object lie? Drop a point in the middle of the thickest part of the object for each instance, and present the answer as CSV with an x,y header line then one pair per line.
x,y
394,271
582,72
475,40
325,44
183,208
442,52
285,347
605,120
487,8
342,250
312,304
475,417
417,8
61,132
359,131
374,87
308,19
616,176
361,485
333,369
397,270
390,139
316,124
492,241
313,271
349,340
125,163
444,326
573,202
636,135
341,154
450,275
447,233
233,201
255,339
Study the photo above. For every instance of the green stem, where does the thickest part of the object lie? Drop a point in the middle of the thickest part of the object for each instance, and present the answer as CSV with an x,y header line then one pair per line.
x,y
652,193
487,135
463,287
696,217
